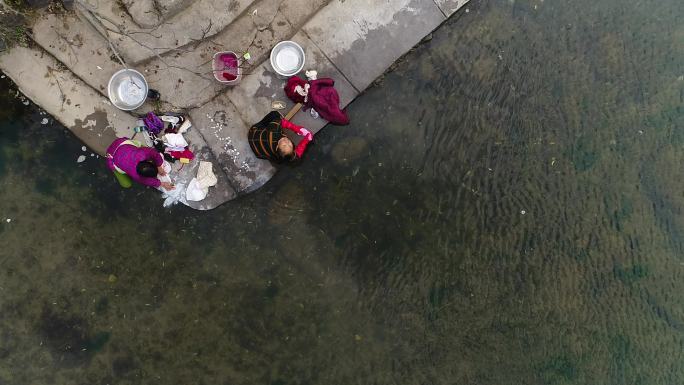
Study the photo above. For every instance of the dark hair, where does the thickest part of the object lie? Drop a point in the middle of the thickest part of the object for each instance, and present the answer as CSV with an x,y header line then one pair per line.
x,y
147,169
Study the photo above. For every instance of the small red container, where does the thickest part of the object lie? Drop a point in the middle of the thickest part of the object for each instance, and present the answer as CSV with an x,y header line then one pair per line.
x,y
226,67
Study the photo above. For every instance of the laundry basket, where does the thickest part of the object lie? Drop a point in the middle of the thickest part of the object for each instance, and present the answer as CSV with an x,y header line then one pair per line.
x,y
226,68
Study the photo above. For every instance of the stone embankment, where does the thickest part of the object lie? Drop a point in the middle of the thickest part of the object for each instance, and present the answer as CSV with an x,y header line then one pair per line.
x,y
172,42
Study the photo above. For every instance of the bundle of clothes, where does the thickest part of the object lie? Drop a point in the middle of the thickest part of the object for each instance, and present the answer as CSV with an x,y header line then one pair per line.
x,y
319,95
167,132
166,135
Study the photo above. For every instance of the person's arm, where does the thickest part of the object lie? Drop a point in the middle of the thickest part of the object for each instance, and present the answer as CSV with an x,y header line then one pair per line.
x,y
153,155
110,153
110,163
301,147
151,182
299,130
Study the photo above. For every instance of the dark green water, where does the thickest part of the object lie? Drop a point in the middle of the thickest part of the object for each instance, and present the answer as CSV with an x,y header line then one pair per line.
x,y
506,208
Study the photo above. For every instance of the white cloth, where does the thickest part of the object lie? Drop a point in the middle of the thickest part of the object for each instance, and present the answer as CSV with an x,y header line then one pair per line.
x,y
171,197
205,175
198,188
175,142
166,178
311,75
185,126
170,119
303,91
194,192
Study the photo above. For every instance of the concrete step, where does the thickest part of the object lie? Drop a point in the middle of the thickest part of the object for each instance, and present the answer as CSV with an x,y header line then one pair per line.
x,y
91,117
363,41
354,48
202,19
449,7
254,96
219,194
185,80
351,41
81,109
225,132
151,13
112,10
78,46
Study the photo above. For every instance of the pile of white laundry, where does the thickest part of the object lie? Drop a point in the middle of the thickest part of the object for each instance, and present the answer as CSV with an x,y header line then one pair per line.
x,y
175,142
198,188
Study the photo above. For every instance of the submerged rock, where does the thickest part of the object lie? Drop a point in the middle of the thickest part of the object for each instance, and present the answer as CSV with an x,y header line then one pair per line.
x,y
349,150
289,202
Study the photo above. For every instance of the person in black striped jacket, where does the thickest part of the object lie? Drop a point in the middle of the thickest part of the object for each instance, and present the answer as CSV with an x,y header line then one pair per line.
x,y
268,141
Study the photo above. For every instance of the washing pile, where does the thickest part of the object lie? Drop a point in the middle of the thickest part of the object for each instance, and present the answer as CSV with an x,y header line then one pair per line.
x,y
191,179
319,95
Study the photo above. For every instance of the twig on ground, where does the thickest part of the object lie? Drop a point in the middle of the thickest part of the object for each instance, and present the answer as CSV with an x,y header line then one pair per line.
x,y
62,97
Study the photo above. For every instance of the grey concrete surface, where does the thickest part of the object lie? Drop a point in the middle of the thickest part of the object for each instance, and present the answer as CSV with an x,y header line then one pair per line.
x,y
225,131
85,112
201,20
350,41
78,46
253,98
255,34
219,194
70,40
450,6
363,37
151,13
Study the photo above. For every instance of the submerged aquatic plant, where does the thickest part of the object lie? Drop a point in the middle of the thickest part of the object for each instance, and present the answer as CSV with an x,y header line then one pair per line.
x,y
13,24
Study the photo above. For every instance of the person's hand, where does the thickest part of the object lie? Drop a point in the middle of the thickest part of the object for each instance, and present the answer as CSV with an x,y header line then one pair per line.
x,y
167,185
161,170
304,132
309,136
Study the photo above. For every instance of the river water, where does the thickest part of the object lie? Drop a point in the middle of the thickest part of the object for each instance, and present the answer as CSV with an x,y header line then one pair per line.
x,y
507,207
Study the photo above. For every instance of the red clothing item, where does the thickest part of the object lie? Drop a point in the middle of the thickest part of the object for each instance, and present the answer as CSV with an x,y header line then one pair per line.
x,y
323,97
301,131
182,154
290,87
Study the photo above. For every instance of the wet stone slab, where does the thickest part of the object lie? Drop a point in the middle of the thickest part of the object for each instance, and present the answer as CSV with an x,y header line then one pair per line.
x,y
351,41
86,113
185,79
225,132
219,194
255,95
363,39
450,6
151,13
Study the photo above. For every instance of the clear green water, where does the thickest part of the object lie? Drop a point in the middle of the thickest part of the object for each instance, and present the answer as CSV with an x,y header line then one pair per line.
x,y
506,208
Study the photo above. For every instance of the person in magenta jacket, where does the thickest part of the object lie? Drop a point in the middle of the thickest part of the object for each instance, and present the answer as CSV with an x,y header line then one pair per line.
x,y
142,164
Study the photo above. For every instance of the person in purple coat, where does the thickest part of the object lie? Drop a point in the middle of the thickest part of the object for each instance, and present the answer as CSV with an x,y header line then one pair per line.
x,y
142,164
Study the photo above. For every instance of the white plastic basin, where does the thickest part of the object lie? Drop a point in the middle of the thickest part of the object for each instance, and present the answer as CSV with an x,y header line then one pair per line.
x,y
287,58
